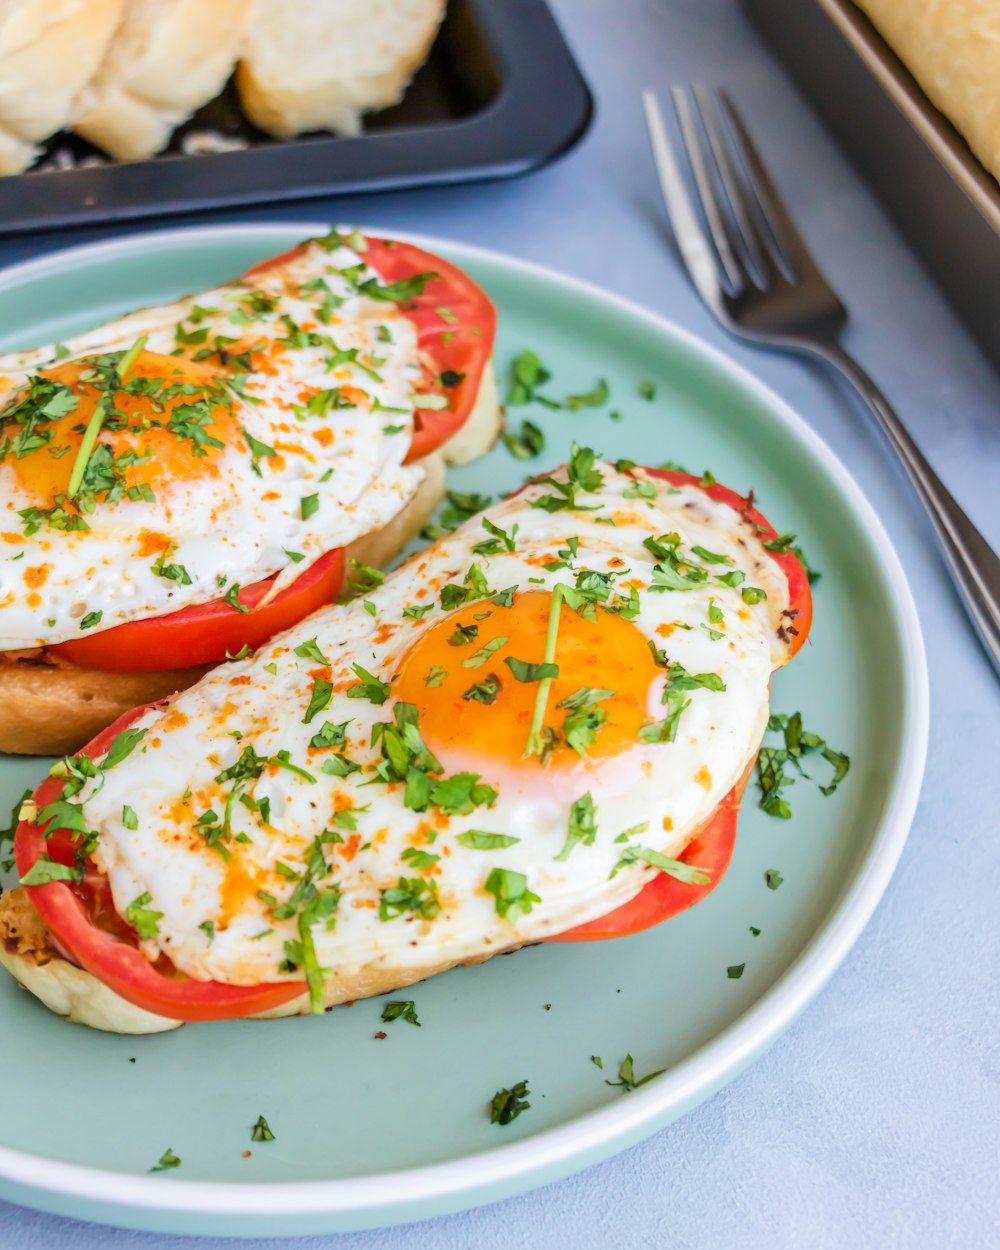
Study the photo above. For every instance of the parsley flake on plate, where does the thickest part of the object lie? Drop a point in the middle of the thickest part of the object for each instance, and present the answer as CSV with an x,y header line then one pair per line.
x,y
261,1131
626,1075
401,1010
507,1104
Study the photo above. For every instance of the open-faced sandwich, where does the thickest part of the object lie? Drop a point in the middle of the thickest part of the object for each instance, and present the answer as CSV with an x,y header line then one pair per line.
x,y
537,728
180,484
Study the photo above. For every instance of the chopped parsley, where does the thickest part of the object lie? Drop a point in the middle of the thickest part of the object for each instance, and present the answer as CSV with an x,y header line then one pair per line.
x,y
400,1010
484,691
674,697
144,921
672,867
45,870
735,971
526,672
798,743
527,375
368,687
507,1104
584,717
626,1075
309,650
773,878
415,895
167,1160
582,825
528,442
319,699
480,657
261,1131
590,399
480,840
510,890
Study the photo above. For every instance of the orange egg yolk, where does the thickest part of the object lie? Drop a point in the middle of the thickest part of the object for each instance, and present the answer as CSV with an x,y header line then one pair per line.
x,y
440,670
137,423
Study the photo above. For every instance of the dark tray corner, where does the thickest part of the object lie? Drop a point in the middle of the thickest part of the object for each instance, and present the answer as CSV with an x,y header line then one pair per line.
x,y
499,95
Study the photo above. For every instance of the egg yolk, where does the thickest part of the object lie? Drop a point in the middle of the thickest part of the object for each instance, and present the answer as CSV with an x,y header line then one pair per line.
x,y
169,426
451,675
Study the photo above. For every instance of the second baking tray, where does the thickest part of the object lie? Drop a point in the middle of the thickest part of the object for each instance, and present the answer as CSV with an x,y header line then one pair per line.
x,y
500,94
943,200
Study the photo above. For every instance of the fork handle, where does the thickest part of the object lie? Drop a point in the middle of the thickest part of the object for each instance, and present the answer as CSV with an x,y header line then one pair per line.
x,y
974,565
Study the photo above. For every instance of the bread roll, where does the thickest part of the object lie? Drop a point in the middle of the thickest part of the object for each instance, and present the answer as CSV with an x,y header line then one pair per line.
x,y
952,48
320,64
167,59
48,50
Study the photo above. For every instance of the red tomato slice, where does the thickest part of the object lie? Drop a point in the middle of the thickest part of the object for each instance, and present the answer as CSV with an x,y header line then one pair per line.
x,y
206,632
663,897
456,326
712,849
83,922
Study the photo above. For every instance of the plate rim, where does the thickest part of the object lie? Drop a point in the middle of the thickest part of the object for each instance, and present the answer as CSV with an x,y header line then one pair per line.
x,y
584,1139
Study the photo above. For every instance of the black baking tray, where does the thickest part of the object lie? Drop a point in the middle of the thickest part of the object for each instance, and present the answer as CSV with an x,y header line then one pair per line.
x,y
945,203
499,95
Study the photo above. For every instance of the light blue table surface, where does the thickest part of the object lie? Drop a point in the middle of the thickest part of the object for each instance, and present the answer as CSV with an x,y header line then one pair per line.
x,y
874,1120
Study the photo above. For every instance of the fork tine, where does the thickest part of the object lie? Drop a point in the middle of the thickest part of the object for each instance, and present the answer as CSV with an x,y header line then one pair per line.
x,y
766,195
694,246
706,192
748,235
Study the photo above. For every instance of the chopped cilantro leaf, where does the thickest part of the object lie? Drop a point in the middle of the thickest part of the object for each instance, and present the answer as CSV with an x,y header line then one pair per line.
x,y
261,1131
626,1075
510,890
401,1010
507,1104
480,840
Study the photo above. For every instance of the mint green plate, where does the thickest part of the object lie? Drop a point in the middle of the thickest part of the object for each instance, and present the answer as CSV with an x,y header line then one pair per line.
x,y
373,1132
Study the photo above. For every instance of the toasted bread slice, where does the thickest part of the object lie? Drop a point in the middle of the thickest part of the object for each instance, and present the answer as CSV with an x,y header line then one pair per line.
x,y
167,58
49,49
321,64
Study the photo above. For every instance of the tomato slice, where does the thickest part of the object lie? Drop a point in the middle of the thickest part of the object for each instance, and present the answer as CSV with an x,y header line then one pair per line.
x,y
664,896
83,922
456,326
712,849
206,632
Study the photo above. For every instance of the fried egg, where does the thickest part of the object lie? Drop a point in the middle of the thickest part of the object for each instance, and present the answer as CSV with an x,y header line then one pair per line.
x,y
263,423
378,757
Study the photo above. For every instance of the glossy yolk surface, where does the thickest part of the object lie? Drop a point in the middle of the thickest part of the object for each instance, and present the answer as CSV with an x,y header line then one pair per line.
x,y
138,423
607,652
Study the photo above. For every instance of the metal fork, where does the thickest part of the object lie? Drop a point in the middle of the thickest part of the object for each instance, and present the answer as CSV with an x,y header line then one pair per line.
x,y
756,274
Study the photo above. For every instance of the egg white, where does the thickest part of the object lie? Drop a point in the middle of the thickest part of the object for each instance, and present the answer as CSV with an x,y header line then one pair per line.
x,y
673,785
236,528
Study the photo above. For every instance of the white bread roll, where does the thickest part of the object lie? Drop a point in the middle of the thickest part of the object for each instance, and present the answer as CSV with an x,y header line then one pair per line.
x,y
48,50
952,48
320,64
167,59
